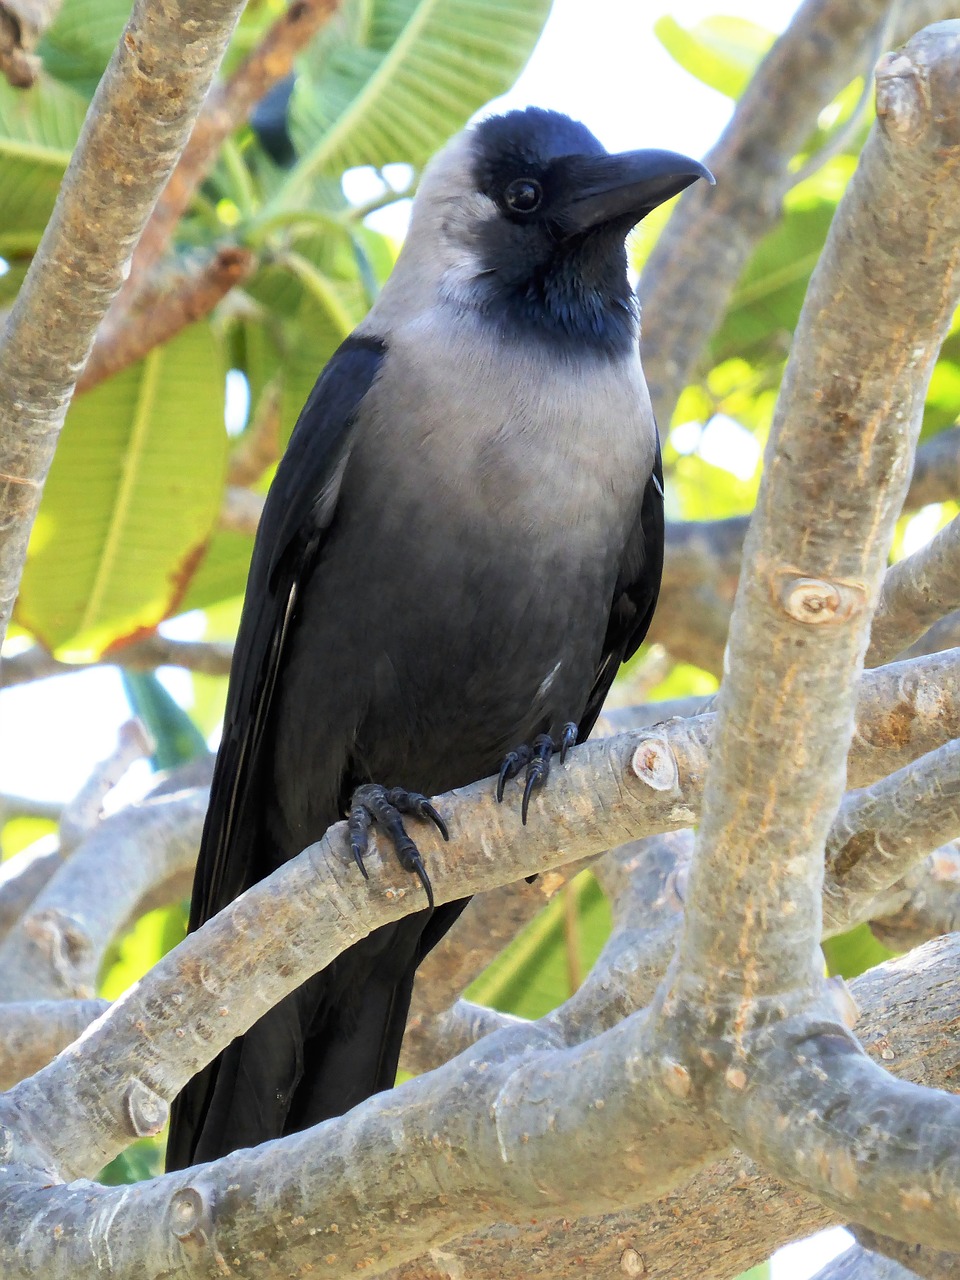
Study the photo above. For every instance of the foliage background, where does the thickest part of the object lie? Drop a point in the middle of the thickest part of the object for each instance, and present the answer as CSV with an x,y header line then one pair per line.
x,y
129,535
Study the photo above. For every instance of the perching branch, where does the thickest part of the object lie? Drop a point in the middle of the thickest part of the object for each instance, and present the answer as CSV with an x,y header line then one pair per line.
x,y
136,126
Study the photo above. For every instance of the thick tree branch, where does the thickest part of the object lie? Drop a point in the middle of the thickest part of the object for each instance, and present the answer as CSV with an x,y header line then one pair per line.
x,y
691,273
840,446
737,1215
33,1032
137,124
228,105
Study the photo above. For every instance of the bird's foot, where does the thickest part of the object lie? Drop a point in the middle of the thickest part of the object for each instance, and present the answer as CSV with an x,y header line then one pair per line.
x,y
384,806
535,757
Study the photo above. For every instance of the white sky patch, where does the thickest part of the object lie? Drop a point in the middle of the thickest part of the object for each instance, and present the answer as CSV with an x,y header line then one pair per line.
x,y
724,443
804,1259
236,401
921,528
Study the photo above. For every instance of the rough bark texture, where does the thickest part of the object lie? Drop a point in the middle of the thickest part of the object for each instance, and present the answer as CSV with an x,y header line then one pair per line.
x,y
137,125
689,278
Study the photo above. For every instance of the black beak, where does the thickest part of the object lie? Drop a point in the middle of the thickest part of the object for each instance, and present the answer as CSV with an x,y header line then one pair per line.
x,y
624,188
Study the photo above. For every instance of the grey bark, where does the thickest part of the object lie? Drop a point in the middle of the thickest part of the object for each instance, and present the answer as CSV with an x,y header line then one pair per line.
x,y
137,125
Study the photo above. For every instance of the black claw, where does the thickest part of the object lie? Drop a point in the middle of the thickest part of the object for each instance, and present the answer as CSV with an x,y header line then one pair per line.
x,y
430,812
533,777
568,739
358,852
372,803
421,874
513,762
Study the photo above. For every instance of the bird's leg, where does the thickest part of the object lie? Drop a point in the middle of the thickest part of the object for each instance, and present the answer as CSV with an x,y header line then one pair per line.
x,y
535,757
375,804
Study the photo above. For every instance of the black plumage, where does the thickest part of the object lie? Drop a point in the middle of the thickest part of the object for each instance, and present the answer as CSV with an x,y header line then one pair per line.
x,y
462,543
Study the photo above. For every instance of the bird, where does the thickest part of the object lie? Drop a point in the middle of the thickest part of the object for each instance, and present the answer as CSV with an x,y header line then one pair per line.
x,y
462,543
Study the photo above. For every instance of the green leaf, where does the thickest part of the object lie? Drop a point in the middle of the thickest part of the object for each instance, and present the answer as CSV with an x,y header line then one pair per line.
x,y
764,310
853,953
153,935
177,738
722,53
20,833
142,1160
391,80
78,46
532,976
222,573
130,502
38,130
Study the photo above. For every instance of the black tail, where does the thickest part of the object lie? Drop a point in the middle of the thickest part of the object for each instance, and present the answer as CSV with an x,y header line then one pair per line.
x,y
329,1045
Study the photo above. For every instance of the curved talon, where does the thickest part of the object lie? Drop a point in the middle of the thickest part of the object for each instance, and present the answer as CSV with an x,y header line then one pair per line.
x,y
568,739
430,812
358,848
534,777
373,803
421,873
511,766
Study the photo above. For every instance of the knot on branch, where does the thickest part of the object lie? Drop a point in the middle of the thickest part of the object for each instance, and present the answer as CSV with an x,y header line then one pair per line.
x,y
902,105
144,1110
65,942
190,1216
918,88
815,601
655,764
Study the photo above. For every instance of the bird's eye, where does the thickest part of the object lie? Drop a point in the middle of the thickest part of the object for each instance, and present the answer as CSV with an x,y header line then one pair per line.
x,y
523,195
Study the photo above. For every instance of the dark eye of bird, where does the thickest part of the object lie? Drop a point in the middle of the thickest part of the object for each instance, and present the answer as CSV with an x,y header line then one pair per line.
x,y
523,195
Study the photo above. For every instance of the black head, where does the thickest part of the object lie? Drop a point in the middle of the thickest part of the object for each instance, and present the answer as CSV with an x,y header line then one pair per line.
x,y
552,257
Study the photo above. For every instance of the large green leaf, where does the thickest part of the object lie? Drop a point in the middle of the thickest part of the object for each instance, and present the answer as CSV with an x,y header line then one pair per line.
x,y
38,130
391,80
532,976
131,500
78,46
720,52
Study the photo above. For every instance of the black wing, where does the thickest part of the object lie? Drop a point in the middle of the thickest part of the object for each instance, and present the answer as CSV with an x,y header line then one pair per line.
x,y
297,517
635,596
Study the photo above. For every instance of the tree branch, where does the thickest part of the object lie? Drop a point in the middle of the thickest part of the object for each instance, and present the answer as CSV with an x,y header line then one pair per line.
x,y
58,944
33,1032
165,305
210,657
22,23
840,449
917,592
882,832
134,131
228,105
690,275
